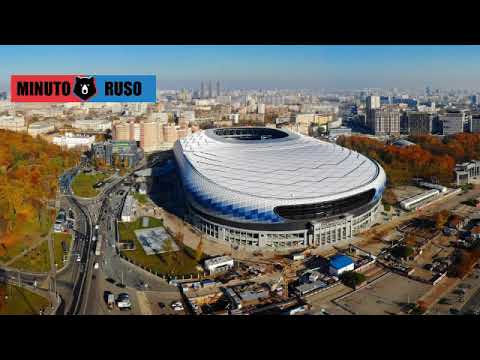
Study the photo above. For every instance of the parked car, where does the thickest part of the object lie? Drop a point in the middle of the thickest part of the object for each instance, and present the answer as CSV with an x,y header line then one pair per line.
x,y
123,302
161,305
177,306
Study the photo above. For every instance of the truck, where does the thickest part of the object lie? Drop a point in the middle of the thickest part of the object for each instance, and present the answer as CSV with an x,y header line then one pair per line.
x,y
110,301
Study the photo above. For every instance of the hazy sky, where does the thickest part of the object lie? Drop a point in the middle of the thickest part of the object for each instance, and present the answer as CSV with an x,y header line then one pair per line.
x,y
258,66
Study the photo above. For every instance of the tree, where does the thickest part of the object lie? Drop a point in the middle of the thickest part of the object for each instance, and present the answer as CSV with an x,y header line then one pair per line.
x,y
440,219
167,248
199,250
402,252
410,239
352,278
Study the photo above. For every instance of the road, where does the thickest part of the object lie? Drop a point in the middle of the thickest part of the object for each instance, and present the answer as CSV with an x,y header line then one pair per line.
x,y
117,270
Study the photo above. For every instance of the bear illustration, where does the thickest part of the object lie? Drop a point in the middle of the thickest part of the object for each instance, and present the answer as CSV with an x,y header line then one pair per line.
x,y
84,87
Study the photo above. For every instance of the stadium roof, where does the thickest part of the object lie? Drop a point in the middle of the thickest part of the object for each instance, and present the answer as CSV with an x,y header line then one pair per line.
x,y
288,166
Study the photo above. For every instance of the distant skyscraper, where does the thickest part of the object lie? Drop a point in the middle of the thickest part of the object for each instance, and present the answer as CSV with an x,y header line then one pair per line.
x,y
474,99
202,90
218,88
428,92
210,94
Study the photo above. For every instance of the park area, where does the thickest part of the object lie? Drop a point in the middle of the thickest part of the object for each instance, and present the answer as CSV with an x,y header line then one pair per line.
x,y
38,259
141,198
173,258
83,184
15,300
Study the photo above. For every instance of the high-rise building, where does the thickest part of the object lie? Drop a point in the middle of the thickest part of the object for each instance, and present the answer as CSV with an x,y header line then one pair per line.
x,y
475,123
218,89
170,133
121,131
453,121
210,93
420,123
474,99
373,102
384,121
151,137
202,90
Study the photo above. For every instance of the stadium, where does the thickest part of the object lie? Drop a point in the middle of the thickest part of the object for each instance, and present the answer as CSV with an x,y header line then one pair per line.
x,y
266,188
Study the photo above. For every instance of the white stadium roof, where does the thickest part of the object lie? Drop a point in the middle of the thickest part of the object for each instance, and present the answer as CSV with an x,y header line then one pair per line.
x,y
296,167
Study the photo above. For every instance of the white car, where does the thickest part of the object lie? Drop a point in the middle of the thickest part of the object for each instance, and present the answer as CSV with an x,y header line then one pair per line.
x,y
95,266
177,306
79,258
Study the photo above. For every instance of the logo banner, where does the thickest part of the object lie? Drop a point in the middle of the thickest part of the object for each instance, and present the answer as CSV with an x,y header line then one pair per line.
x,y
83,88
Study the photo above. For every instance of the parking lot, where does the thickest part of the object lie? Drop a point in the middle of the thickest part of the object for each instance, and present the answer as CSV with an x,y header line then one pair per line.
x,y
464,297
388,295
407,191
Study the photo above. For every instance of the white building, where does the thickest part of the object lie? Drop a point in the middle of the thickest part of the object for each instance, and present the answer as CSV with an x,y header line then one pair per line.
x,y
218,264
128,211
188,115
12,123
92,124
373,102
70,140
161,117
339,264
40,127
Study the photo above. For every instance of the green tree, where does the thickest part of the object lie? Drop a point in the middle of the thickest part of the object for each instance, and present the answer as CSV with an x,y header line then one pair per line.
x,y
352,278
402,252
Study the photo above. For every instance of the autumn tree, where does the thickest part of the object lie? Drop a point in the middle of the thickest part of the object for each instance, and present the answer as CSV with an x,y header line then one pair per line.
x,y
199,250
441,219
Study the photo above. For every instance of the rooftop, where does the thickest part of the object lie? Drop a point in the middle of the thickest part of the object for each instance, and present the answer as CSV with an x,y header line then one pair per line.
x,y
340,261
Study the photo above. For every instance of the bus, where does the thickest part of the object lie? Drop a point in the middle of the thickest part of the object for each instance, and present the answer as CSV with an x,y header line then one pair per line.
x,y
98,248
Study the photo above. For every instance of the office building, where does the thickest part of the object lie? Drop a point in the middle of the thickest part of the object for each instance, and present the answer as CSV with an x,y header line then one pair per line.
x,y
384,121
475,123
372,102
99,125
453,121
218,88
126,152
13,123
420,123
70,141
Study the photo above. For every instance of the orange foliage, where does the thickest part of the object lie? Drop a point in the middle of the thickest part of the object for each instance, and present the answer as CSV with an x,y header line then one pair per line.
x,y
29,171
403,164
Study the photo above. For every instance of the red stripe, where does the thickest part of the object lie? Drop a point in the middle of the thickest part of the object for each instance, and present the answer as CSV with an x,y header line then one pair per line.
x,y
16,96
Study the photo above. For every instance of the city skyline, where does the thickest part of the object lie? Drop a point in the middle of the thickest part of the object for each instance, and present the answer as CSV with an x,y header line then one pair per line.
x,y
260,66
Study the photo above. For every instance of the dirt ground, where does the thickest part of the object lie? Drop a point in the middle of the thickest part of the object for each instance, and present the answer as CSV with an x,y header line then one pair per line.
x,y
384,296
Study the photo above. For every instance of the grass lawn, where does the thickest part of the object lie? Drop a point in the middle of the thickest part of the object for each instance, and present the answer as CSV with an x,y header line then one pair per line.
x,y
20,301
180,262
141,198
58,249
82,184
38,259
